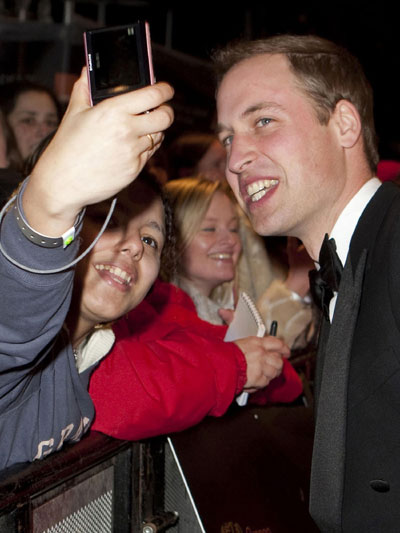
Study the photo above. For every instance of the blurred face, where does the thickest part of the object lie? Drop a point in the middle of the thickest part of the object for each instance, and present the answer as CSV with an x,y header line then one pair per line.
x,y
212,164
286,169
212,256
32,119
124,263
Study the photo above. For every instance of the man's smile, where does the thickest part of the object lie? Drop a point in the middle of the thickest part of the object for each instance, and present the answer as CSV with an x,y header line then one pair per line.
x,y
258,189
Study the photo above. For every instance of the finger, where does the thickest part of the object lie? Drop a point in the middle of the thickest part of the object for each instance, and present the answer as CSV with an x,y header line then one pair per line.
x,y
159,138
80,95
141,100
149,143
276,344
158,120
274,360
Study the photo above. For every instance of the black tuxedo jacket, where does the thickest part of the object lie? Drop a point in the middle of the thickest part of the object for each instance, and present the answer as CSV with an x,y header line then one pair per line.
x,y
355,480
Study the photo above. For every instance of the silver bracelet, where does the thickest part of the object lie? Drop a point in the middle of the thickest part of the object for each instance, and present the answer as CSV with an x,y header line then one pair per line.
x,y
39,239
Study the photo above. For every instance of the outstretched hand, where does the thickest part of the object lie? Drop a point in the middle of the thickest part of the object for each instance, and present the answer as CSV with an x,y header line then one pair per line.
x,y
264,357
96,152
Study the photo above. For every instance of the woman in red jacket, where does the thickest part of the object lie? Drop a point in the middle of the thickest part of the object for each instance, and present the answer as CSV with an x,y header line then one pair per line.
x,y
169,369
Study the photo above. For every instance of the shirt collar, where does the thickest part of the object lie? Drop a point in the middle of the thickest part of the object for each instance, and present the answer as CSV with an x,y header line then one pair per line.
x,y
345,225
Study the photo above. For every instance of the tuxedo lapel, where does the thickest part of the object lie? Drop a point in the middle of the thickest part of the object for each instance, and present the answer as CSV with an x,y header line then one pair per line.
x,y
330,433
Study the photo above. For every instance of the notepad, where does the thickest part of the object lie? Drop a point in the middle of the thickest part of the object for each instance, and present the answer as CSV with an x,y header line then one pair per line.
x,y
247,322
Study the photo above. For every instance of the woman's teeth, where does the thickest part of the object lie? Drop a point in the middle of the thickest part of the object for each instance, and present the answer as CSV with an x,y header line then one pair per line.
x,y
221,256
116,272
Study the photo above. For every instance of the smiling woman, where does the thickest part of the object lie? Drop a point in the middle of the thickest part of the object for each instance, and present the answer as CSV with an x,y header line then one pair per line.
x,y
124,263
48,346
208,242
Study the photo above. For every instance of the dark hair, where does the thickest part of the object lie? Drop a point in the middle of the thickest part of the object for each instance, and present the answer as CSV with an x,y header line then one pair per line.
x,y
326,72
12,152
10,92
168,263
185,152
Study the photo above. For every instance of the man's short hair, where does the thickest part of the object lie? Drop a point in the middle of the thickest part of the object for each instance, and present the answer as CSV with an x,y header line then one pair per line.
x,y
326,73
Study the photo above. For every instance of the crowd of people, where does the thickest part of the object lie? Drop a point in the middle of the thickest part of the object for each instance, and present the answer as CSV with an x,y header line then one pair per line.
x,y
114,312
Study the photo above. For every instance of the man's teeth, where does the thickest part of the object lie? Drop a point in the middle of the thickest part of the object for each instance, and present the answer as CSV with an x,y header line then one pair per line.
x,y
116,271
221,256
258,189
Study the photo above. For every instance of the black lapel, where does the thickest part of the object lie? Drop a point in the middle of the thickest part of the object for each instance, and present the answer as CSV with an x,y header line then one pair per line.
x,y
329,446
330,433
369,225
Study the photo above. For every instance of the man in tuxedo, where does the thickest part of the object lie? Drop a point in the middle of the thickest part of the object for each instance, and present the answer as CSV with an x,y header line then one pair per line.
x,y
295,114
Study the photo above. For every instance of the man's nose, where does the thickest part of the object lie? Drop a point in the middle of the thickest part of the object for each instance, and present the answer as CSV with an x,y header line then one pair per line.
x,y
242,153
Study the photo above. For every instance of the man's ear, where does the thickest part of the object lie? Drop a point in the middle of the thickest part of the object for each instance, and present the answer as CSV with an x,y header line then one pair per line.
x,y
347,122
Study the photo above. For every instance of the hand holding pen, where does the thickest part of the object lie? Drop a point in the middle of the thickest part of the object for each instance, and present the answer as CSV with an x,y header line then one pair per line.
x,y
268,369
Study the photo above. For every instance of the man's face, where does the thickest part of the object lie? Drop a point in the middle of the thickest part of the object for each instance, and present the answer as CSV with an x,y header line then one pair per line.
x,y
284,167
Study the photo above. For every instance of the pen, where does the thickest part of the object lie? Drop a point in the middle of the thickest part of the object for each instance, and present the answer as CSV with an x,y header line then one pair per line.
x,y
273,329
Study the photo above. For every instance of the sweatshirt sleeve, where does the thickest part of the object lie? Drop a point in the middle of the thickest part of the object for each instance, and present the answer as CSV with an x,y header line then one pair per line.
x,y
33,306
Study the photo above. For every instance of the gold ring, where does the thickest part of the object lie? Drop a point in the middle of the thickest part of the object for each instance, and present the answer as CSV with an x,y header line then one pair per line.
x,y
151,140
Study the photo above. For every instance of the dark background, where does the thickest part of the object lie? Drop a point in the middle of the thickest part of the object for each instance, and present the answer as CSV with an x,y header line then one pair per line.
x,y
184,34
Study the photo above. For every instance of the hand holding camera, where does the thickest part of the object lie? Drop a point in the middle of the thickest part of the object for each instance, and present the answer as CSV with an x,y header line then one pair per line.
x,y
96,152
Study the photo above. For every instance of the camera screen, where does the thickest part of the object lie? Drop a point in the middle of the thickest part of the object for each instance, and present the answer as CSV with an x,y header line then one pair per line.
x,y
115,61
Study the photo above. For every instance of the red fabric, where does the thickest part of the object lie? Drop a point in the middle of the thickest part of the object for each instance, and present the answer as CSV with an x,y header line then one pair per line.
x,y
388,170
169,369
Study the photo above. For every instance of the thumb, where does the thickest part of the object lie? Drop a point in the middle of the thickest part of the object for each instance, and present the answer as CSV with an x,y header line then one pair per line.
x,y
80,98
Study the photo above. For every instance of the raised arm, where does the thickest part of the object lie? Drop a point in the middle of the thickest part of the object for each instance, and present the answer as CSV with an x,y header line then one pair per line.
x,y
96,152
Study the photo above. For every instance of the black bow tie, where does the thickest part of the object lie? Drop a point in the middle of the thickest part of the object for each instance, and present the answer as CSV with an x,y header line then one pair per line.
x,y
325,281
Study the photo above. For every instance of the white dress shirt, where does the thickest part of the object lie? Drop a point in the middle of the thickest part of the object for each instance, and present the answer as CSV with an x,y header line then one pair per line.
x,y
345,225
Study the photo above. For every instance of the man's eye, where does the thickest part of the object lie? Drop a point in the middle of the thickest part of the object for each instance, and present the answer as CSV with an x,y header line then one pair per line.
x,y
227,141
263,122
150,242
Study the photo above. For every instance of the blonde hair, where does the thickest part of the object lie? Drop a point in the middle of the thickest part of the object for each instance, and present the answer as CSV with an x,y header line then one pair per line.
x,y
190,199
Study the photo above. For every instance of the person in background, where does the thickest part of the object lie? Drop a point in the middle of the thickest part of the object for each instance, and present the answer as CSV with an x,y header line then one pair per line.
x,y
208,243
31,110
10,161
209,247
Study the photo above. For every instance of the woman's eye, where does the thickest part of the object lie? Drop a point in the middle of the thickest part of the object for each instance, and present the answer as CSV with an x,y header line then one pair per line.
x,y
28,121
234,230
150,242
263,122
209,228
